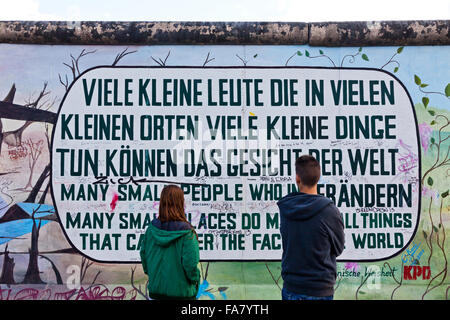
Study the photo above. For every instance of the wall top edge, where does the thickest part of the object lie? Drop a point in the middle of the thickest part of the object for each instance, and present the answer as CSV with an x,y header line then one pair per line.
x,y
332,34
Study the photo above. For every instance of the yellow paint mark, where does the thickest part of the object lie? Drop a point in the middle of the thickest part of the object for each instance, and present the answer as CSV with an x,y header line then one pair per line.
x,y
252,114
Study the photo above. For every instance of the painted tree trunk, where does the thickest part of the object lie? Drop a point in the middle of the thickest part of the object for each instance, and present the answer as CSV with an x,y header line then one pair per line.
x,y
7,276
33,275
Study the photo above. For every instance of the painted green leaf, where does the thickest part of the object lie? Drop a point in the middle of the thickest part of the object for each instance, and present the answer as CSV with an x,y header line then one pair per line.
x,y
432,140
362,292
320,51
433,123
395,69
435,229
445,194
430,181
255,55
360,49
306,53
299,53
424,234
425,101
364,56
417,80
423,85
399,50
447,90
431,112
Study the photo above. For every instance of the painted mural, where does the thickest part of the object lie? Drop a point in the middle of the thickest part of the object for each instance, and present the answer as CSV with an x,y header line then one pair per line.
x,y
41,249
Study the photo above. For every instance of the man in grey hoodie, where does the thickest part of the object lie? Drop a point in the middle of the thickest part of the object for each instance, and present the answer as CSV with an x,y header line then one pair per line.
x,y
312,232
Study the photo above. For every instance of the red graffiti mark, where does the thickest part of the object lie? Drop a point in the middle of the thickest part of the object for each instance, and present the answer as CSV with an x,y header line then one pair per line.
x,y
114,201
97,292
17,152
83,295
418,271
100,293
133,294
118,293
1,293
27,294
64,295
45,294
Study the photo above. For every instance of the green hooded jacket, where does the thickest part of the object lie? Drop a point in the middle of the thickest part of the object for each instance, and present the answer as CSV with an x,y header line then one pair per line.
x,y
170,260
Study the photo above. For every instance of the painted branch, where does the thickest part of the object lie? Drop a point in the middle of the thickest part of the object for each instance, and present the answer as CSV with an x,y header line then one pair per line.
x,y
33,194
18,112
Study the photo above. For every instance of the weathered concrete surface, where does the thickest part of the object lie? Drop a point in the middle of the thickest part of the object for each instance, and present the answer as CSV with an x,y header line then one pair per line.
x,y
50,32
378,33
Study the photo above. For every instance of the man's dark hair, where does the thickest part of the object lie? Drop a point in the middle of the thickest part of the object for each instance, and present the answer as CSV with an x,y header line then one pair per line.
x,y
308,169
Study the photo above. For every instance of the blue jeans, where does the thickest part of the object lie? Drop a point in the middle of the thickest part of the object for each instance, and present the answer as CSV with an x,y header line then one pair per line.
x,y
287,295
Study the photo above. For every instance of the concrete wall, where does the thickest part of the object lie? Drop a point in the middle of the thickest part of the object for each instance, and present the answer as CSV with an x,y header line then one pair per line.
x,y
40,63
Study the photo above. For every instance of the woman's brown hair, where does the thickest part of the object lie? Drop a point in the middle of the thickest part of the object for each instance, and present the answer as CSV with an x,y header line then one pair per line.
x,y
171,205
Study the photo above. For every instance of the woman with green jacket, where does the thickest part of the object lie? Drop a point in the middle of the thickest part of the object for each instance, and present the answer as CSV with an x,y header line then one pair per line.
x,y
169,250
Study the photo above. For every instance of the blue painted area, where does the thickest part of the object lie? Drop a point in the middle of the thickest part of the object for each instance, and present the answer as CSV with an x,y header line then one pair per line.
x,y
223,294
202,290
21,227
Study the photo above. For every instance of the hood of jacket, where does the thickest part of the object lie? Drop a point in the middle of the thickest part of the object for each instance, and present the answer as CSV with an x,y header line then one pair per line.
x,y
166,233
302,206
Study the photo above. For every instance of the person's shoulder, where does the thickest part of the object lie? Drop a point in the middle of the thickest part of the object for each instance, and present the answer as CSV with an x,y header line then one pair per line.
x,y
331,210
170,225
182,225
155,223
